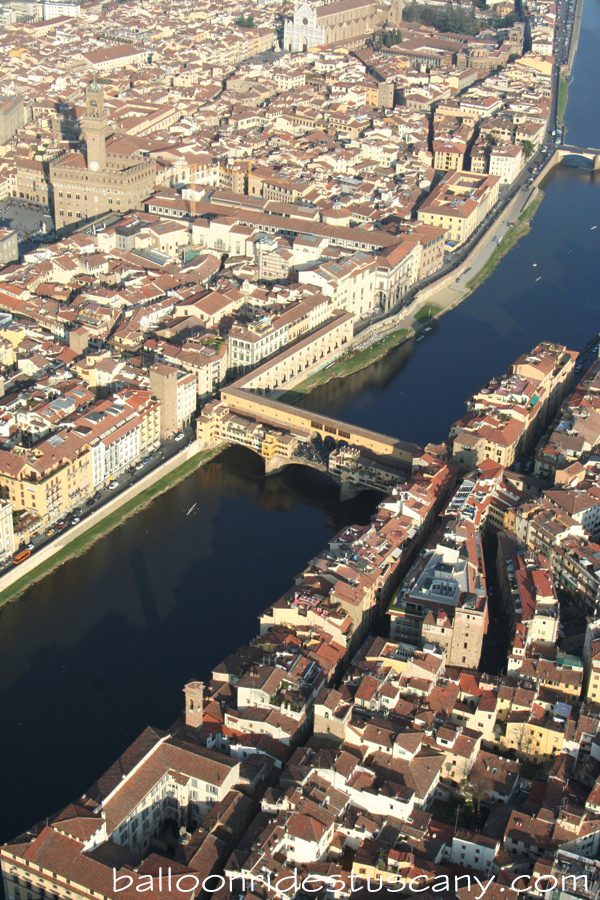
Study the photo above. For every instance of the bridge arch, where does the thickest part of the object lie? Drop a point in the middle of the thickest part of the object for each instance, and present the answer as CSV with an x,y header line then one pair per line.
x,y
277,464
568,152
571,158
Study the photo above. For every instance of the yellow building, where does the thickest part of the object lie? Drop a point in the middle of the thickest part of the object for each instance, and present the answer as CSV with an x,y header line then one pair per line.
x,y
32,181
449,155
504,417
543,738
49,480
459,203
591,657
390,657
556,677
592,692
542,65
277,443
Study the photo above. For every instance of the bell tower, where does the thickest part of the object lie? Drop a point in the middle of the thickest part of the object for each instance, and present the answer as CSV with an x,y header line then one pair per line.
x,y
395,12
194,703
95,126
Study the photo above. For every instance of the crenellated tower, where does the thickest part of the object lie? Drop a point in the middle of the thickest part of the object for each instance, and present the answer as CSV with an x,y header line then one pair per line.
x,y
95,127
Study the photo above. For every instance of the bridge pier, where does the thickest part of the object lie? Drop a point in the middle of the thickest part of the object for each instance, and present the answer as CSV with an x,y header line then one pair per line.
x,y
348,490
597,163
275,464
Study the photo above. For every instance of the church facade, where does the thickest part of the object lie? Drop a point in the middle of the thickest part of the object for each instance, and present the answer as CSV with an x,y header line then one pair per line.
x,y
314,25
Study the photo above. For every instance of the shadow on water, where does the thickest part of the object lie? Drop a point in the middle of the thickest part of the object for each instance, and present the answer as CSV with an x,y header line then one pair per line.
x,y
421,388
336,394
103,646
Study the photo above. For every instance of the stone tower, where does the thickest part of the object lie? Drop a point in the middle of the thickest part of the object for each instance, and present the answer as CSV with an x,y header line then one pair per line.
x,y
95,127
194,703
395,13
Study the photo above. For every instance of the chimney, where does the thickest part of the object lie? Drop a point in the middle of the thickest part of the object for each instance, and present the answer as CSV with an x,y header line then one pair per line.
x,y
194,703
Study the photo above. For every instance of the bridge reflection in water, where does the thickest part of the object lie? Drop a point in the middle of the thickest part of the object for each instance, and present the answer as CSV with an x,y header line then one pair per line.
x,y
282,434
564,151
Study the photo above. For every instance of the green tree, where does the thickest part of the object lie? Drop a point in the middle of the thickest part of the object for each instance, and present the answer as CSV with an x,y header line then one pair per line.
x,y
245,22
392,37
451,18
528,148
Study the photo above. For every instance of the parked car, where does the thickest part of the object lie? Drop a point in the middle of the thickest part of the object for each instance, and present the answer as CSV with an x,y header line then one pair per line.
x,y
113,486
180,436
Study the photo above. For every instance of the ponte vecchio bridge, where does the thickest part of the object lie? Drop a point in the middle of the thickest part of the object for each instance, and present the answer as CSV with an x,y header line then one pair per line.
x,y
248,413
287,435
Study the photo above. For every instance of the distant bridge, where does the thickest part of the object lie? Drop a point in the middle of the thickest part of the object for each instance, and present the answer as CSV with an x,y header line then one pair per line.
x,y
590,153
284,435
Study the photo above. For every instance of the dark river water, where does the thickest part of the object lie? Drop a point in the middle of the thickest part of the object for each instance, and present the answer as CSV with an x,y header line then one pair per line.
x,y
104,645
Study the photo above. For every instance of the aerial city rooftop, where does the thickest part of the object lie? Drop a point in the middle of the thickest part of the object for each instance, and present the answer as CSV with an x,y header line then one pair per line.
x,y
204,207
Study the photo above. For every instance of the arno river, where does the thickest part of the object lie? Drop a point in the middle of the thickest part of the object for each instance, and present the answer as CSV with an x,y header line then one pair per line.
x,y
103,646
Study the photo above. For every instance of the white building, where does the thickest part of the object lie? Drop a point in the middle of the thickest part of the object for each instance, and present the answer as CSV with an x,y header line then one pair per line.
x,y
506,161
248,346
474,851
350,282
316,24
7,537
55,8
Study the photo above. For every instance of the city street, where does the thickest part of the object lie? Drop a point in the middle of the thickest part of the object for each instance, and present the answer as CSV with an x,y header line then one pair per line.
x,y
135,474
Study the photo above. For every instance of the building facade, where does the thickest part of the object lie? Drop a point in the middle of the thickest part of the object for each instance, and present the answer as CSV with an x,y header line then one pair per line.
x,y
177,394
12,117
7,535
506,161
102,180
315,25
9,247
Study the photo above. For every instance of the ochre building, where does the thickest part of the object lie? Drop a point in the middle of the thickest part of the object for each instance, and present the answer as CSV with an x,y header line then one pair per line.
x,y
110,176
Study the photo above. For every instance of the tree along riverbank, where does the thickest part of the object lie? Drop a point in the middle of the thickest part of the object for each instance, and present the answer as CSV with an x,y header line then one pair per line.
x,y
521,227
418,316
